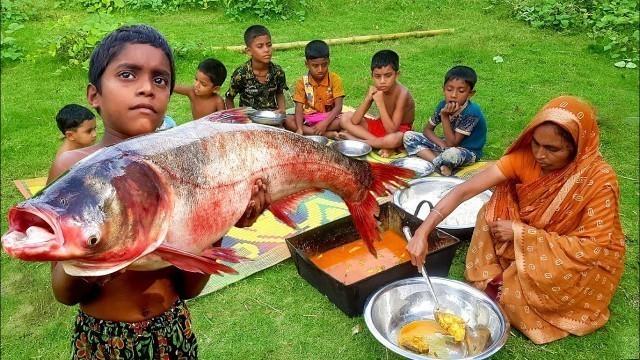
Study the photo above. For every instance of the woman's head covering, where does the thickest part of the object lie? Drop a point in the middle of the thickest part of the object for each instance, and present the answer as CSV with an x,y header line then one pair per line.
x,y
576,116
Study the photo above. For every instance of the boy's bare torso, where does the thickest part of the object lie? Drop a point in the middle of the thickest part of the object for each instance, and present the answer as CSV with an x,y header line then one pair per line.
x,y
201,107
391,99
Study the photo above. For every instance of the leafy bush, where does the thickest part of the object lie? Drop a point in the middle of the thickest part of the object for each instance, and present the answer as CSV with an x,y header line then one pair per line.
x,y
236,9
77,43
17,11
10,49
611,24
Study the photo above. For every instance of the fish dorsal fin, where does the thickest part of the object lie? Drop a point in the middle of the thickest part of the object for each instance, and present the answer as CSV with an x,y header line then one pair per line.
x,y
205,263
288,204
231,116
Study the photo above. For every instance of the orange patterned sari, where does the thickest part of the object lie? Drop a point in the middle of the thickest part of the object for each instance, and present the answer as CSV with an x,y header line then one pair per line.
x,y
564,265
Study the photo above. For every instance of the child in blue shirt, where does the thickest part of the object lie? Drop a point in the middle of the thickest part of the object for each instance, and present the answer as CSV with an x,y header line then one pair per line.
x,y
463,125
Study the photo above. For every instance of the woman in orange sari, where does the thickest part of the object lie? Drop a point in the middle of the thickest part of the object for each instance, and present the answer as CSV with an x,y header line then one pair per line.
x,y
548,246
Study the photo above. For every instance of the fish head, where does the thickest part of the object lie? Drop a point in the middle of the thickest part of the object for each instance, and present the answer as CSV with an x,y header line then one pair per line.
x,y
97,218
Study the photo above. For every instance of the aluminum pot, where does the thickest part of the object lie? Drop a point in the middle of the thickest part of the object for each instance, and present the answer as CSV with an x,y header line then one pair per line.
x,y
426,192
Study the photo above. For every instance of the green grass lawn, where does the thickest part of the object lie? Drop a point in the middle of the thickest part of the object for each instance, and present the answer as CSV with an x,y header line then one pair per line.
x,y
275,314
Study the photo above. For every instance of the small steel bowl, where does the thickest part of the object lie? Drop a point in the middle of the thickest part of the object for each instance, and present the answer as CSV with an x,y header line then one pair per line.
x,y
351,147
431,190
401,302
319,139
266,117
420,166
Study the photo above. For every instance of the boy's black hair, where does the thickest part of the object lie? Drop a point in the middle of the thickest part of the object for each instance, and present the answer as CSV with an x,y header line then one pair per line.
x,y
214,69
254,31
71,116
385,58
316,49
113,44
463,73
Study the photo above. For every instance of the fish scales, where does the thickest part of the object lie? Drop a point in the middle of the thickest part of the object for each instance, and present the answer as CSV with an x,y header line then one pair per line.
x,y
162,199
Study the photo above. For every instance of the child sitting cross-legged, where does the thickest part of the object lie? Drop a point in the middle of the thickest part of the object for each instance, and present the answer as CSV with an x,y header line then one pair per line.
x,y
395,104
203,95
318,95
463,125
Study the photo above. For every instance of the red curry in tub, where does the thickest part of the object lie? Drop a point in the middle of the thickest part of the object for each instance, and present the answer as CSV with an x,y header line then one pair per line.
x,y
352,262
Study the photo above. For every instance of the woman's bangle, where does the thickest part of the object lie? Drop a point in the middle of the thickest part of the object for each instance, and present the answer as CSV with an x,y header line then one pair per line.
x,y
437,212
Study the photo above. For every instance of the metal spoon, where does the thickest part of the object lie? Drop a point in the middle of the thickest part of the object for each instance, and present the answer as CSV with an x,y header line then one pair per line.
x,y
440,316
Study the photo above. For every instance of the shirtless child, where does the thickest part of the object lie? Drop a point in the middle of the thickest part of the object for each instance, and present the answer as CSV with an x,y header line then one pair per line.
x,y
395,104
203,95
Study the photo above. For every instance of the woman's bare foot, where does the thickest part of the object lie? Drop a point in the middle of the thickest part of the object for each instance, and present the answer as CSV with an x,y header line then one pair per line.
x,y
445,170
333,135
385,153
346,136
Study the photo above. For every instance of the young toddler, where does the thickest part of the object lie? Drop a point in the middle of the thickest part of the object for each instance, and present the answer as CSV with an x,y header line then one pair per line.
x,y
203,95
78,125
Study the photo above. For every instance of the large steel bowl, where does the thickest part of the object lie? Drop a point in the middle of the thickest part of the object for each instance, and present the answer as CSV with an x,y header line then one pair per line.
x,y
401,302
266,117
317,138
351,147
420,166
429,190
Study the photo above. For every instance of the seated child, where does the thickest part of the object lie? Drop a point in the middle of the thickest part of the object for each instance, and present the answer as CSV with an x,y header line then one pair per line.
x,y
259,82
203,95
133,314
318,95
463,125
394,101
78,125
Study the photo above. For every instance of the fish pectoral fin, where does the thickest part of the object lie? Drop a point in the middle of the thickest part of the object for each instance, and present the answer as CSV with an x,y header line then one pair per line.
x,y
207,263
288,204
230,116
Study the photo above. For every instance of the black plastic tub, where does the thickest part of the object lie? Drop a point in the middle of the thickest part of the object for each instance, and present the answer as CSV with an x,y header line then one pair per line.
x,y
351,298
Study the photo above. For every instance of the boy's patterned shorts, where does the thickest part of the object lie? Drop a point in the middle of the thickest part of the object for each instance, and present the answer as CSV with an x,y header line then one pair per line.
x,y
166,336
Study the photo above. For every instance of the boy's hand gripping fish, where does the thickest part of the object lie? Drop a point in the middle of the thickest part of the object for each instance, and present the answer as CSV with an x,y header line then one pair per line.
x,y
164,198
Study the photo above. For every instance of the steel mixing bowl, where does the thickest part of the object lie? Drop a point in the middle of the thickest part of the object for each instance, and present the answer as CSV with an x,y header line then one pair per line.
x,y
431,190
401,302
351,147
319,139
266,117
420,166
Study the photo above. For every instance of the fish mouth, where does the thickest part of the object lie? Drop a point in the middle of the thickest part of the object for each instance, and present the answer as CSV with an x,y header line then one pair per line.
x,y
34,234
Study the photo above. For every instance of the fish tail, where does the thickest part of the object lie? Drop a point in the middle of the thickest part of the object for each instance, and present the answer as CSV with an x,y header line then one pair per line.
x,y
364,213
388,177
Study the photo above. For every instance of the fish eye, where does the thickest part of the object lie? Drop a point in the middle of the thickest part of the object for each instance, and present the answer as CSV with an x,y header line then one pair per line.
x,y
64,202
92,240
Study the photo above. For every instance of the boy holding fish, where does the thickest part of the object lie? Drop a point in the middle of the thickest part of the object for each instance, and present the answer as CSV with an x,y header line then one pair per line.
x,y
463,125
132,314
203,95
395,104
259,82
318,95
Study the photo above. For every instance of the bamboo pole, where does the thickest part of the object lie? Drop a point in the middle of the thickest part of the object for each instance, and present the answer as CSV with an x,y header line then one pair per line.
x,y
346,40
